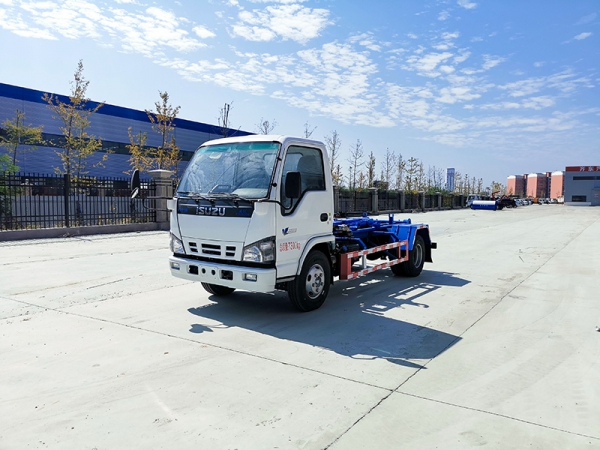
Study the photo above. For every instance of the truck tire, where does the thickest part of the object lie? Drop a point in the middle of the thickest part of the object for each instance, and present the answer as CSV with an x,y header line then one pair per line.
x,y
416,260
309,290
217,290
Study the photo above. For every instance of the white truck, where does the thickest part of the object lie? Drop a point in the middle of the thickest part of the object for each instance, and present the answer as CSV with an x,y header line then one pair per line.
x,y
257,213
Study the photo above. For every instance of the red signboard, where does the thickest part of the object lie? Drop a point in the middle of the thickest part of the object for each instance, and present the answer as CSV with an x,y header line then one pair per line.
x,y
583,169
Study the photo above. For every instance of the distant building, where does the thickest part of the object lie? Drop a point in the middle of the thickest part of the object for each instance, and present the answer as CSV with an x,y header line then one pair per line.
x,y
110,123
450,172
537,185
557,184
582,185
516,185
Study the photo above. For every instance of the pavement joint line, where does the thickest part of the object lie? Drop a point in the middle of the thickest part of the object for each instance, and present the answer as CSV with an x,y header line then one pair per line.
x,y
221,347
497,415
359,419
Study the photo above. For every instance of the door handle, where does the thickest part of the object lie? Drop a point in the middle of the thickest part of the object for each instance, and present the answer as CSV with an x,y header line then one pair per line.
x,y
324,217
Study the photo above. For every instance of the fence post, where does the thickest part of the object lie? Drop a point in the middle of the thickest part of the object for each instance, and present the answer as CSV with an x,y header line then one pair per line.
x,y
439,200
402,201
66,193
164,191
422,200
374,194
336,199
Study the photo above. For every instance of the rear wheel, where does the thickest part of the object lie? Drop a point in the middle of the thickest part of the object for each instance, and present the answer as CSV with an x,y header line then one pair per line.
x,y
309,290
217,290
416,260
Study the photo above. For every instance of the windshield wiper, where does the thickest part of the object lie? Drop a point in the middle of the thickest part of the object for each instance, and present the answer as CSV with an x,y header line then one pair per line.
x,y
196,196
235,197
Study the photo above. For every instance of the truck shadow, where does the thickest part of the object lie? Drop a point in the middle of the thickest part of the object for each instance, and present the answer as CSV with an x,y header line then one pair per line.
x,y
361,319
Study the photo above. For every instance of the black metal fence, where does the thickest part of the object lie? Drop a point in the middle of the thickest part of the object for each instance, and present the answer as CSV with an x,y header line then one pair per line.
x,y
30,201
356,202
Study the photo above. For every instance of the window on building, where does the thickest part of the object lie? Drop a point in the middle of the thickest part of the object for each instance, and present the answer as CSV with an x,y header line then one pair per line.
x,y
579,198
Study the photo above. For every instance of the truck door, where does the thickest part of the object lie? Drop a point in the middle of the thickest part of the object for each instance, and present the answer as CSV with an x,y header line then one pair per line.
x,y
308,216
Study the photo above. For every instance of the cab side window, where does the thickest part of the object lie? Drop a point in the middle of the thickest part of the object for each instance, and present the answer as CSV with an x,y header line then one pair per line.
x,y
309,162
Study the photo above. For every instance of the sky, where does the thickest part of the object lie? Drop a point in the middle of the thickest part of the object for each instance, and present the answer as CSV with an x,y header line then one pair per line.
x,y
492,88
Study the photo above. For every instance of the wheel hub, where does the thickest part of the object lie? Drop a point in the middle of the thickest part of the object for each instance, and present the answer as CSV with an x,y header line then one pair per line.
x,y
315,281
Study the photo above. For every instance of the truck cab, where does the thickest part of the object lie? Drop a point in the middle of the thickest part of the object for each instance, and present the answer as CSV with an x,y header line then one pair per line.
x,y
234,225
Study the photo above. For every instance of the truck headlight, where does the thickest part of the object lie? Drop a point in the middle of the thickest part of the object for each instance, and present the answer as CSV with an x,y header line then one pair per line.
x,y
177,245
261,251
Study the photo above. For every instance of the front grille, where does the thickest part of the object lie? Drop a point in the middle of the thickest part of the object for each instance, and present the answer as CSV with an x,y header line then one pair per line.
x,y
214,249
211,250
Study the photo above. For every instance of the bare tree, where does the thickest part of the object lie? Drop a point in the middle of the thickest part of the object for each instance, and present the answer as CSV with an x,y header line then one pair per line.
x,y
338,179
265,126
356,162
75,115
333,144
421,186
166,156
401,166
371,170
308,131
411,174
497,188
389,169
223,119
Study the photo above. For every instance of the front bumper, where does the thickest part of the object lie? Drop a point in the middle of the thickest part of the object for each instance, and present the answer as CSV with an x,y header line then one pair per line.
x,y
237,277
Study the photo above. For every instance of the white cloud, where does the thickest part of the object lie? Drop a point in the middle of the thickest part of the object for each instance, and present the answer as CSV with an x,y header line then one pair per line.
x,y
427,64
536,103
466,4
462,57
565,82
21,28
444,15
456,94
447,36
582,36
586,19
367,40
491,61
203,32
148,32
288,21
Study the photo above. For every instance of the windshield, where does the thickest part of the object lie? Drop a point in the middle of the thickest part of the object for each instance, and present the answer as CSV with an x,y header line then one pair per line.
x,y
237,169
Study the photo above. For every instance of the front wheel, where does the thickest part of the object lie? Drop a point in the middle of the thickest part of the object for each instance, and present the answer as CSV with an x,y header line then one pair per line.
x,y
217,290
309,290
416,260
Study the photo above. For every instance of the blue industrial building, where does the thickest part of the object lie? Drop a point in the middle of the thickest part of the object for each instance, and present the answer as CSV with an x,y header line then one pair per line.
x,y
110,123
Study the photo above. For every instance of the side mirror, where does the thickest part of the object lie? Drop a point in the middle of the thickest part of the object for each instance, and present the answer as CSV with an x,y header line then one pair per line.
x,y
134,184
293,185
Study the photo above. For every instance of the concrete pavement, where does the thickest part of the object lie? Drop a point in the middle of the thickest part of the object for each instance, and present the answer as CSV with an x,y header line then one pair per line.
x,y
495,345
